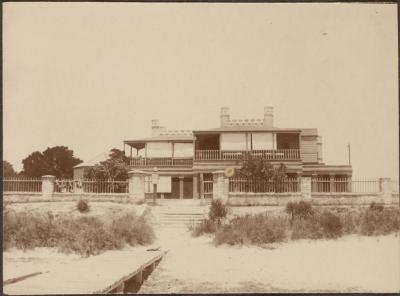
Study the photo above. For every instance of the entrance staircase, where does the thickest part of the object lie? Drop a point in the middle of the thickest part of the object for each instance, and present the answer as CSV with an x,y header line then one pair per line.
x,y
178,213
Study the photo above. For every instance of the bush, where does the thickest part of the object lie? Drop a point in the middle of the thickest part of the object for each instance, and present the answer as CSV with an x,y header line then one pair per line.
x,y
84,235
253,229
218,211
82,206
299,209
376,207
331,224
380,222
306,229
132,230
205,226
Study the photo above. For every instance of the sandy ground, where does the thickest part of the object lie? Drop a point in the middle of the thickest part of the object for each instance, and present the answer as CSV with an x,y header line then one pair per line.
x,y
349,264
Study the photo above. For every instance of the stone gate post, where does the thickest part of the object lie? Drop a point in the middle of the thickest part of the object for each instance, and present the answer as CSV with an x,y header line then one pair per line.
x,y
385,186
48,186
136,185
305,186
220,186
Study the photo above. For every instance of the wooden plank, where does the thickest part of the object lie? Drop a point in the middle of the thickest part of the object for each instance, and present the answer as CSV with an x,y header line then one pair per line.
x,y
99,274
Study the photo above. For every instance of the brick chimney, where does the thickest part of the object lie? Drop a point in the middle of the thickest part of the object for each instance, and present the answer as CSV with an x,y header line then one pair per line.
x,y
268,116
156,129
224,116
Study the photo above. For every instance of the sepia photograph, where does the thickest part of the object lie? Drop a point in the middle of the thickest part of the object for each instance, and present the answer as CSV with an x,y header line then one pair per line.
x,y
200,147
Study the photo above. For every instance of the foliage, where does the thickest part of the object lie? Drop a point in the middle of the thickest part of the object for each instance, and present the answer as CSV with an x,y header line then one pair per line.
x,y
82,206
376,221
261,169
57,161
299,209
206,226
331,224
306,229
8,170
218,211
84,235
115,167
252,229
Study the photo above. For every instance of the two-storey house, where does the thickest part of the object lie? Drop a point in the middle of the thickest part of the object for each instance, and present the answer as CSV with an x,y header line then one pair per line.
x,y
186,160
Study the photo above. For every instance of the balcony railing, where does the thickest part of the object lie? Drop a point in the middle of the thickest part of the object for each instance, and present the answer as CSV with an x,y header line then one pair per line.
x,y
161,162
278,154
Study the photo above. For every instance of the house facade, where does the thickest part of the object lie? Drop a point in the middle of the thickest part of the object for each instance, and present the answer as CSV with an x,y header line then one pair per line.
x,y
185,160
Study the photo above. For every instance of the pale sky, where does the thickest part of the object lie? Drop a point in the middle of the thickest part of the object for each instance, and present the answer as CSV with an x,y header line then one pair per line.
x,y
89,75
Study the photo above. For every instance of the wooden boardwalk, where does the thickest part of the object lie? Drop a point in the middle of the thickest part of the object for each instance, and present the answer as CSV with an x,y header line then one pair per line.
x,y
111,272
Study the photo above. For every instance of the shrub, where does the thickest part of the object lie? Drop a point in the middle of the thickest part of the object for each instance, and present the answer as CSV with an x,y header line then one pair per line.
x,y
82,206
84,235
380,222
205,226
132,230
331,224
350,222
306,229
218,211
299,209
376,207
253,229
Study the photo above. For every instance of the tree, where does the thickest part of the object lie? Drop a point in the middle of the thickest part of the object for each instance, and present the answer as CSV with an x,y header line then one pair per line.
x,y
262,170
8,170
115,167
57,161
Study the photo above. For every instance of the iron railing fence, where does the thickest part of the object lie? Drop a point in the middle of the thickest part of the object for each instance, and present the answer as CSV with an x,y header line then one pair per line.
x,y
322,184
244,185
107,186
22,185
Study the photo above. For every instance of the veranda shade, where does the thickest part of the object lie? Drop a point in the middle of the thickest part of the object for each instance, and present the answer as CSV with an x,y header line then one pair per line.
x,y
263,141
183,150
157,149
233,141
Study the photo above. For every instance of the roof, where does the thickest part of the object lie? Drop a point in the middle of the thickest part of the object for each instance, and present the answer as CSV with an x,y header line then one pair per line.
x,y
247,129
95,160
162,138
309,132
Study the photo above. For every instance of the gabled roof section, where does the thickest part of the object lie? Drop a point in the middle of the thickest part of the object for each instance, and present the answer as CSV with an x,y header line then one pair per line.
x,y
95,160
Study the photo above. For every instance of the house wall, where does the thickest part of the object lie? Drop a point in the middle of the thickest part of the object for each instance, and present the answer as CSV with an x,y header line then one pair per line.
x,y
309,149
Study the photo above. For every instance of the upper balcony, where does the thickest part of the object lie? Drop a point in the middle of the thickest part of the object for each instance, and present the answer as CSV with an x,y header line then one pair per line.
x,y
161,161
272,154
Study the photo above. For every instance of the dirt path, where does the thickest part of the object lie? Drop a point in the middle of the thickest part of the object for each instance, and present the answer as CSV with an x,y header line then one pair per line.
x,y
349,264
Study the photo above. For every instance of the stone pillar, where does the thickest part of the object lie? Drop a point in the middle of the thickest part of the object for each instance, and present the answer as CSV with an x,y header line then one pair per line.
x,y
195,191
181,187
331,183
136,185
220,186
385,186
305,186
349,184
202,186
48,186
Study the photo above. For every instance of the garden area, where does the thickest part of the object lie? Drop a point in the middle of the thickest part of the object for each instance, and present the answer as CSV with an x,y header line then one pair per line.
x,y
80,228
299,221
